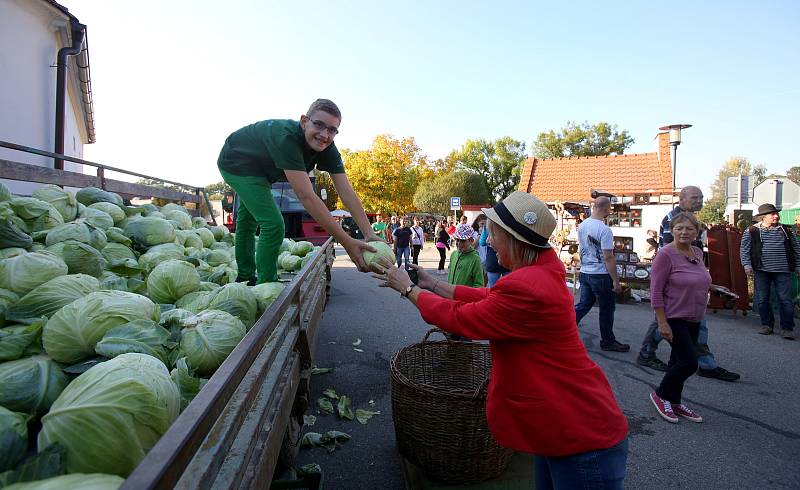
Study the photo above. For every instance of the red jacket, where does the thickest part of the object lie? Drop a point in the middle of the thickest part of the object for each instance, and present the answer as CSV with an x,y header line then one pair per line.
x,y
546,396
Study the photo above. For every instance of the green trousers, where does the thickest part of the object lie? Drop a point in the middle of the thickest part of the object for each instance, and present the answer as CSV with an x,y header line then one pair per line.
x,y
256,208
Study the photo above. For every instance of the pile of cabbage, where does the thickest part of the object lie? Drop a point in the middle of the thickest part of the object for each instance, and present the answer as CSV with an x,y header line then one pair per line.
x,y
112,317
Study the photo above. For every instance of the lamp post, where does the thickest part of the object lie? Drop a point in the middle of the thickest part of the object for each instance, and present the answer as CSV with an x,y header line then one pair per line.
x,y
674,141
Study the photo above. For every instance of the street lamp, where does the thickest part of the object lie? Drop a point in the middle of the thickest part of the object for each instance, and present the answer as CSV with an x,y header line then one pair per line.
x,y
674,141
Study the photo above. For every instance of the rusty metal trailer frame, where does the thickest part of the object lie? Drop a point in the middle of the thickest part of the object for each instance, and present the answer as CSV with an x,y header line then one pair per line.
x,y
26,172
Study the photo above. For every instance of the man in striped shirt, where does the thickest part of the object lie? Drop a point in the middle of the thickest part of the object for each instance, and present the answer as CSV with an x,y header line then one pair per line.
x,y
771,252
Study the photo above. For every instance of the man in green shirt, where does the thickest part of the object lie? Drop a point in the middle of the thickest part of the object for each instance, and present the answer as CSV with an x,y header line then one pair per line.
x,y
379,227
284,150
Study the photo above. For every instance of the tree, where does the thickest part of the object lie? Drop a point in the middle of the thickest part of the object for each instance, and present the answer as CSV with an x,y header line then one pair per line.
x,y
323,180
498,162
794,174
433,195
385,176
216,191
582,140
714,208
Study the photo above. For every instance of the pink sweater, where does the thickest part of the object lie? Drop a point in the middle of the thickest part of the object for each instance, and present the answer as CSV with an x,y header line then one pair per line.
x,y
678,285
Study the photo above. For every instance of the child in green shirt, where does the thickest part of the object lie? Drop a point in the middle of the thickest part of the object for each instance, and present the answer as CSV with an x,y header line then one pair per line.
x,y
465,267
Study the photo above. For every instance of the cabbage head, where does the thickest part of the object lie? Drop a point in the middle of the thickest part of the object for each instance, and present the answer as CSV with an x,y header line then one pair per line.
x,y
117,251
64,201
13,438
217,257
99,239
205,235
238,300
73,331
90,195
116,212
142,336
75,481
300,249
219,232
220,246
161,253
15,340
31,384
286,245
111,415
188,384
5,193
80,258
77,231
117,235
208,338
193,240
7,253
12,235
149,209
208,286
150,231
372,259
194,302
198,222
266,293
289,262
38,215
48,298
7,298
21,274
184,220
97,218
171,206
111,281
171,280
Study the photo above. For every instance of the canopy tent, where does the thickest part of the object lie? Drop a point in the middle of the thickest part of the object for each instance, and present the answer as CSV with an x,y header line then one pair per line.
x,y
340,213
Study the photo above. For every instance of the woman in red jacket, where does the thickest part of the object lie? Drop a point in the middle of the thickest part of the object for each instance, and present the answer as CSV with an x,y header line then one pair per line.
x,y
546,396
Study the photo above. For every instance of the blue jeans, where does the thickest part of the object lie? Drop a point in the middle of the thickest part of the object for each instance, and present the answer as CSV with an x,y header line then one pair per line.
x,y
600,288
782,282
493,277
601,469
402,253
705,358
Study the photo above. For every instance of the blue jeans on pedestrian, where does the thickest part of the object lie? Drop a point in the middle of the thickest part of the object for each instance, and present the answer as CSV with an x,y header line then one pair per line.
x,y
782,282
705,358
493,277
599,288
402,254
593,470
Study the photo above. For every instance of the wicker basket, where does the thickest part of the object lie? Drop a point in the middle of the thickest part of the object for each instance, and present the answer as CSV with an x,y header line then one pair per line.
x,y
439,410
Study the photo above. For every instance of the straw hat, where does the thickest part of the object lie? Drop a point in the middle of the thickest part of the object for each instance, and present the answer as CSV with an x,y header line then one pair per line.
x,y
524,216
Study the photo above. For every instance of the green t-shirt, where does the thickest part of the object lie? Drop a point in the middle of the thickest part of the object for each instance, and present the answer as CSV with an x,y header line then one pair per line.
x,y
380,229
267,148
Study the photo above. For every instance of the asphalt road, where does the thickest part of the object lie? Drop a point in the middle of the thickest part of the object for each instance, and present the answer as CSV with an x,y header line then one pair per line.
x,y
750,438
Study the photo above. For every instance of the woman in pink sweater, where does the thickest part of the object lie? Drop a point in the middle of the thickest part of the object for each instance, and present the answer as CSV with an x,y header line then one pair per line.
x,y
679,287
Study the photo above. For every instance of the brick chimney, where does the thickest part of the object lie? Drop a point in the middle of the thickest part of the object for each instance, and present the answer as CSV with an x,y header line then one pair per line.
x,y
664,154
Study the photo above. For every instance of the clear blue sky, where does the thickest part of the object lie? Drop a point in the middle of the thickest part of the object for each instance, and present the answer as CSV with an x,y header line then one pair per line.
x,y
171,79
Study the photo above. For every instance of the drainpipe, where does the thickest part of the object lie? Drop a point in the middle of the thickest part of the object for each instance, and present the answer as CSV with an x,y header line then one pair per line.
x,y
78,34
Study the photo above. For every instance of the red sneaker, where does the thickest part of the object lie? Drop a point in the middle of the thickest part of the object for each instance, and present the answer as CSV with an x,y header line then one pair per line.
x,y
664,408
687,413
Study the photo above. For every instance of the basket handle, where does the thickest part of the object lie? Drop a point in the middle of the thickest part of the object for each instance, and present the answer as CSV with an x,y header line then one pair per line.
x,y
435,330
480,389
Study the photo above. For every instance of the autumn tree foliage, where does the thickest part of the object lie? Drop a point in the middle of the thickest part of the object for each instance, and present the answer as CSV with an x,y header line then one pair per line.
x,y
386,175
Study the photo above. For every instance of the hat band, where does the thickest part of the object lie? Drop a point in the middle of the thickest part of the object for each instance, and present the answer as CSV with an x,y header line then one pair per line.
x,y
508,219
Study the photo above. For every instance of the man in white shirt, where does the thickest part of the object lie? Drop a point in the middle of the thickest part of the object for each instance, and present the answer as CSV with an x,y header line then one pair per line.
x,y
598,277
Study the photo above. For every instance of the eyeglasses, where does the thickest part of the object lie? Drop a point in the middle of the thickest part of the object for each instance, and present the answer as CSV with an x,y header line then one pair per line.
x,y
321,126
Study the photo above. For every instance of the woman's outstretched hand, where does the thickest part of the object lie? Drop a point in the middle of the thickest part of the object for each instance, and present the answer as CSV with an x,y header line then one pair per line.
x,y
392,276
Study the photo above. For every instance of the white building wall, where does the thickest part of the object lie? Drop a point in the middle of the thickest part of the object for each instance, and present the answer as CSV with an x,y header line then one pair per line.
x,y
652,215
28,35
